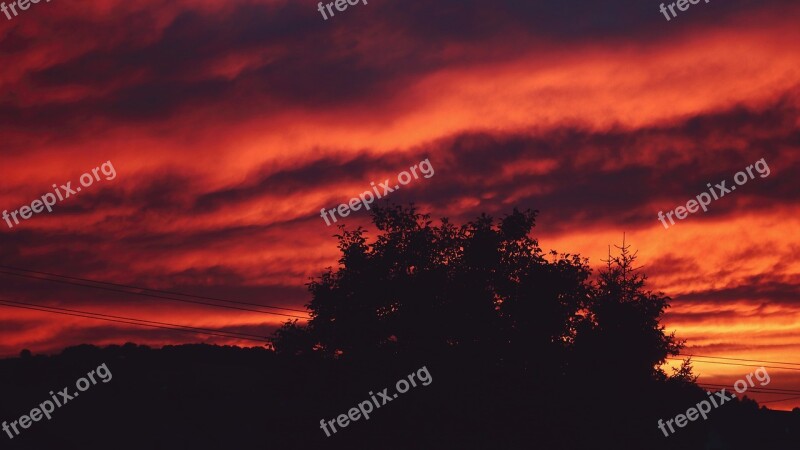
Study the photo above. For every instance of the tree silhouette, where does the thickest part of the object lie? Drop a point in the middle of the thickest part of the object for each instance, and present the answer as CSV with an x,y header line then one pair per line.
x,y
485,290
528,332
624,326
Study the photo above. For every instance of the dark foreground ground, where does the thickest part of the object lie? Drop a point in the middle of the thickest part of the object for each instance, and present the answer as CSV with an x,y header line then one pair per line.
x,y
204,397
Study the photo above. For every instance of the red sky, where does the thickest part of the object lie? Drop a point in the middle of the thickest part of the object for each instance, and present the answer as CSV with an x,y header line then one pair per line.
x,y
230,124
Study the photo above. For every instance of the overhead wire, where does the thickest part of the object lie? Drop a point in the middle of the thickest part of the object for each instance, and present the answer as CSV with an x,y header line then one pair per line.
x,y
740,359
152,295
131,321
88,280
776,390
781,400
737,364
184,328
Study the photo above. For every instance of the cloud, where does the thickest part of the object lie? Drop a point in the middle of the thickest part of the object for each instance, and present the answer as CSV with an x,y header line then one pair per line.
x,y
231,124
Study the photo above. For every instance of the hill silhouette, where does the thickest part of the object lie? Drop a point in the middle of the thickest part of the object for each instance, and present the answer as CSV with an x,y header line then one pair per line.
x,y
524,349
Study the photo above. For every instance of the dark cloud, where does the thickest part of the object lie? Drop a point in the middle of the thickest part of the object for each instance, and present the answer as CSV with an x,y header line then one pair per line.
x,y
585,193
16,325
773,292
308,61
670,264
577,192
723,314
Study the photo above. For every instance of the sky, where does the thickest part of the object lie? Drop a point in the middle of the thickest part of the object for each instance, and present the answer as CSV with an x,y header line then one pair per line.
x,y
229,125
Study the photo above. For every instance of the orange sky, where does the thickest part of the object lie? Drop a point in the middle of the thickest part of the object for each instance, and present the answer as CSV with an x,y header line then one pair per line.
x,y
230,125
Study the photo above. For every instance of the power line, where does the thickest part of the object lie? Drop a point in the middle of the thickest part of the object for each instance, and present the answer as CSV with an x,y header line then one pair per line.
x,y
152,295
738,364
777,390
782,400
131,321
124,318
746,360
151,290
758,391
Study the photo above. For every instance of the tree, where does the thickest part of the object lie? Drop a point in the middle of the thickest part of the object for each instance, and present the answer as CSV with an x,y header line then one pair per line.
x,y
531,336
624,325
483,289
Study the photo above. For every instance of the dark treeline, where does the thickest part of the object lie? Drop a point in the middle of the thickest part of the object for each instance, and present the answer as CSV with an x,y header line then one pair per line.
x,y
526,349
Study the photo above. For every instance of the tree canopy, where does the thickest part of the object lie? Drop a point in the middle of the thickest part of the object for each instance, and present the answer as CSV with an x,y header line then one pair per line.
x,y
485,290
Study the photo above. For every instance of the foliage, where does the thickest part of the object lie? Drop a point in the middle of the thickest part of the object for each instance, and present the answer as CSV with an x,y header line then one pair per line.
x,y
482,289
